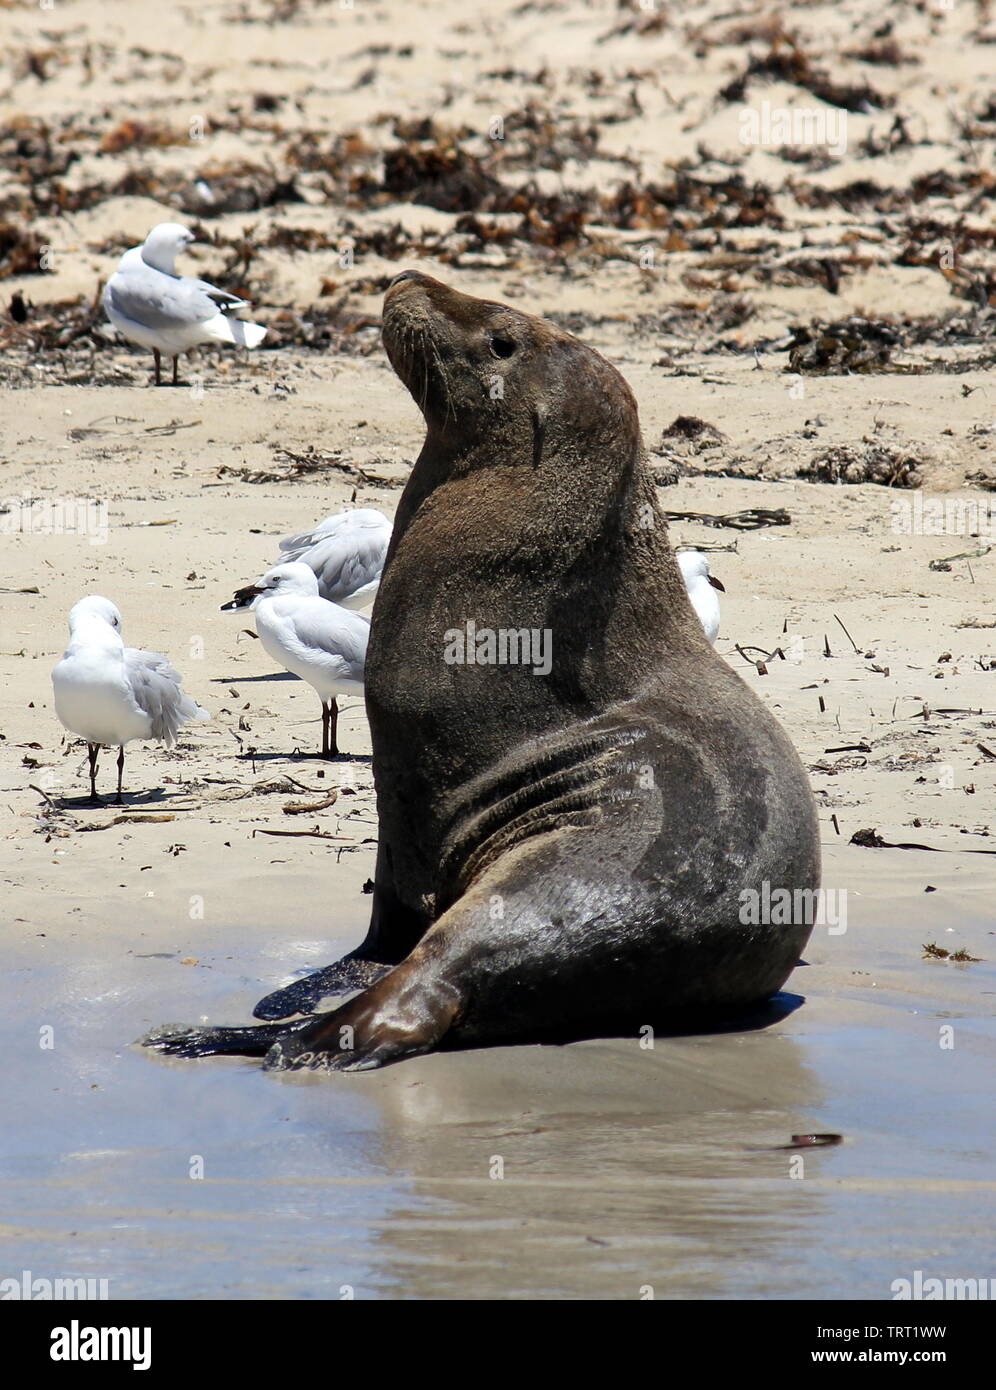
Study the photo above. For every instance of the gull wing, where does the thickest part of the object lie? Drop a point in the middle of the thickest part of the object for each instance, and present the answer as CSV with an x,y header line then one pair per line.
x,y
158,301
346,552
226,302
344,564
155,688
359,521
320,626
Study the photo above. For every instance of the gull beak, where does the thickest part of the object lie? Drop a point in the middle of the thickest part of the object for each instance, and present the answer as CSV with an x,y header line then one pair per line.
x,y
717,584
244,598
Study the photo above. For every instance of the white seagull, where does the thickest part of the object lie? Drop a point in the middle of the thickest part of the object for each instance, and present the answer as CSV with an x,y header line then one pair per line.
x,y
154,307
320,642
109,694
701,586
346,552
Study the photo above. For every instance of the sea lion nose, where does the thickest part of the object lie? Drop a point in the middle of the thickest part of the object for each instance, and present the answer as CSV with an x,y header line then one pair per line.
x,y
407,275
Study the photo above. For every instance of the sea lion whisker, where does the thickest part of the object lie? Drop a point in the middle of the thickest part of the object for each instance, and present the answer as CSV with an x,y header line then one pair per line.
x,y
449,412
428,357
417,362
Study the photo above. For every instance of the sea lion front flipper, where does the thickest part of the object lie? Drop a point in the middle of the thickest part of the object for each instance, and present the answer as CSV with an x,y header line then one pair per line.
x,y
406,1013
301,997
178,1040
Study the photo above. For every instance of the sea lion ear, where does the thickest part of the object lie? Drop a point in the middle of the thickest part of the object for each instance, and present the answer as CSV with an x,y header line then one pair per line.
x,y
539,429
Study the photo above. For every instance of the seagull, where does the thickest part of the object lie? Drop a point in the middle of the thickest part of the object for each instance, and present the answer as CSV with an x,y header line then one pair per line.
x,y
694,568
346,552
320,642
109,694
151,305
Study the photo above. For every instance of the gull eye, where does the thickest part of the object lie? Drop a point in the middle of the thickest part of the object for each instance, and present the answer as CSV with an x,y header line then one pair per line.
x,y
501,347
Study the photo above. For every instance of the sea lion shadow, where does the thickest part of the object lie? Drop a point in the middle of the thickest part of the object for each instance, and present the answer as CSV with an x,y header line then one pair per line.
x,y
682,1023
749,1020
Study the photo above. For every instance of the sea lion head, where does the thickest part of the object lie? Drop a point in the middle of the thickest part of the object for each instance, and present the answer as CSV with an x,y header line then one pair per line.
x,y
486,373
530,504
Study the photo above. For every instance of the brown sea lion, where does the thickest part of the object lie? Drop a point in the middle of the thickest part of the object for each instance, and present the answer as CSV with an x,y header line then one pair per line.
x,y
576,794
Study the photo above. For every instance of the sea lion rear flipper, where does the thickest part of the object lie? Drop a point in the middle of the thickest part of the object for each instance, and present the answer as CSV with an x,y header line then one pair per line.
x,y
302,996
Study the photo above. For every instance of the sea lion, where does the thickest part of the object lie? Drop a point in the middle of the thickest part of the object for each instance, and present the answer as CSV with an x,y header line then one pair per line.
x,y
576,795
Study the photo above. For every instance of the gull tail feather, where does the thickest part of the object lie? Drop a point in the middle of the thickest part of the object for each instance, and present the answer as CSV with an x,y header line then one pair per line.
x,y
229,330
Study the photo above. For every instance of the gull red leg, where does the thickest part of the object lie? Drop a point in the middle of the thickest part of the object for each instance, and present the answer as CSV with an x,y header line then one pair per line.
x,y
325,730
92,751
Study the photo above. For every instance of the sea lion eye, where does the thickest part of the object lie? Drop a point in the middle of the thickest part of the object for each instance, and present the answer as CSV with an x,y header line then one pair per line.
x,y
501,347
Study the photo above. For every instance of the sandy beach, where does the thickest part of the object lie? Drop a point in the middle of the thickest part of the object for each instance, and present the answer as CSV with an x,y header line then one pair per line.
x,y
819,325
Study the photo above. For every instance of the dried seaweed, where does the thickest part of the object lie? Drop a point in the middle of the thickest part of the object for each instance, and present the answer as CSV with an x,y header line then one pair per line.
x,y
785,61
864,463
447,178
848,345
750,519
21,251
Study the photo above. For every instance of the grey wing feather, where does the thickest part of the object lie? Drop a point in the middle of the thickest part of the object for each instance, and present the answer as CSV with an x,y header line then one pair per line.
x,y
343,565
345,634
303,540
362,521
155,686
159,301
226,302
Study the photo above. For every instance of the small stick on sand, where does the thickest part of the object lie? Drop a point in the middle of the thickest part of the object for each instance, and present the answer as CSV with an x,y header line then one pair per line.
x,y
847,635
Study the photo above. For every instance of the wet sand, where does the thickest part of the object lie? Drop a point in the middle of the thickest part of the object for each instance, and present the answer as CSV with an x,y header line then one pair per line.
x,y
622,1167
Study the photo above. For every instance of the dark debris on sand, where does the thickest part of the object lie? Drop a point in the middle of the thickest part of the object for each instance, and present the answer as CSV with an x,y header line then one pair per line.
x,y
722,235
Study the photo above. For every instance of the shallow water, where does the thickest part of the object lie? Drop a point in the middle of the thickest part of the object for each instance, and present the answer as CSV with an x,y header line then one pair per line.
x,y
623,1168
